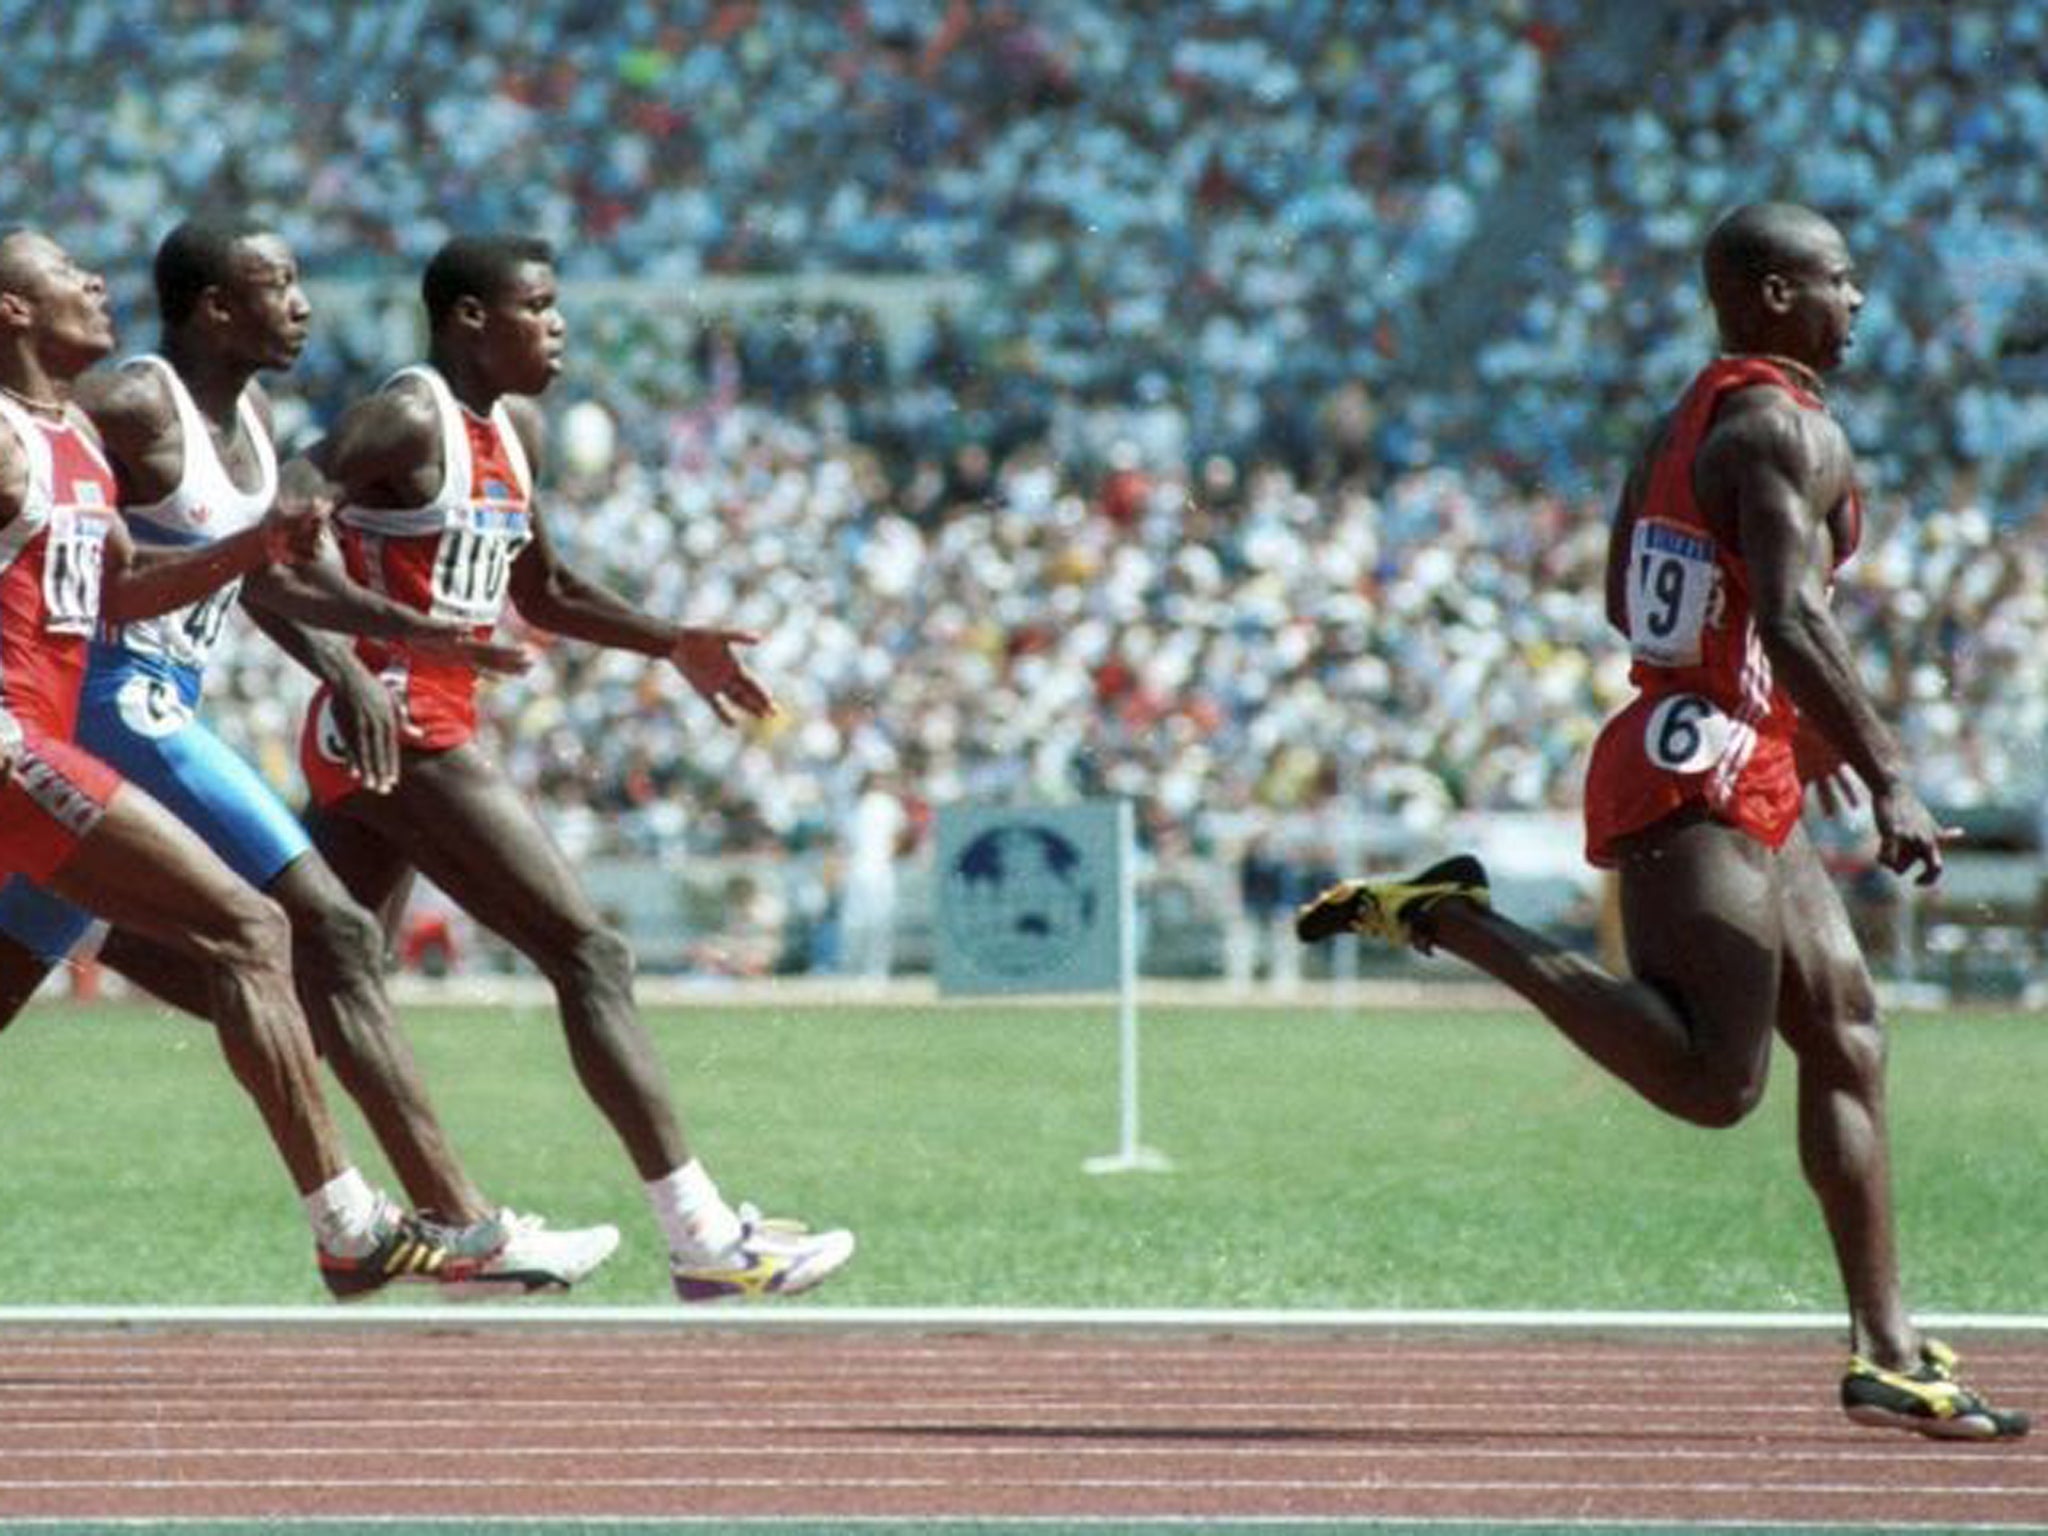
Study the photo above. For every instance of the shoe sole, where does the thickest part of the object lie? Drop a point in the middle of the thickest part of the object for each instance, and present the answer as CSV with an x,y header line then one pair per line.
x,y
820,1267
354,1290
501,1287
1966,1426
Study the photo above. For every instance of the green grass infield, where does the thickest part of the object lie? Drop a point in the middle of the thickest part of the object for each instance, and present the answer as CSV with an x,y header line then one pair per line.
x,y
1321,1159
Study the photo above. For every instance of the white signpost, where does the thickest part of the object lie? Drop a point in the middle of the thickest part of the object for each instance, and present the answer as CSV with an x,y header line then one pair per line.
x,y
1044,899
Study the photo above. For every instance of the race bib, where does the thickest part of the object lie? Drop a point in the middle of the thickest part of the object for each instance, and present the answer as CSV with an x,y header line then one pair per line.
x,y
1687,734
197,629
1674,589
71,572
473,564
327,738
151,707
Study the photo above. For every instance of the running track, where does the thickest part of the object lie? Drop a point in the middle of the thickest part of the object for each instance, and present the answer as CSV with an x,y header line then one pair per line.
x,y
557,1422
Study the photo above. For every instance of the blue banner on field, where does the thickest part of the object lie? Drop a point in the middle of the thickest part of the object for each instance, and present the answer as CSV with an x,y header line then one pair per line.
x,y
1028,898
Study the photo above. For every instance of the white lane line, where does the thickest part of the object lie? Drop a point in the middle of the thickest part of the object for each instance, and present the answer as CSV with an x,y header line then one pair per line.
x,y
1886,1455
588,1486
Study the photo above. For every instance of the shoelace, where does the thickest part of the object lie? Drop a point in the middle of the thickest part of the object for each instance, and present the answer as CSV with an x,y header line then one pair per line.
x,y
480,1238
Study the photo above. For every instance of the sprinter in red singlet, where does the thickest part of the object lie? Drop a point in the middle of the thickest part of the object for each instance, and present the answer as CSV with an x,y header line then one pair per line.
x,y
1723,549
434,478
187,434
68,821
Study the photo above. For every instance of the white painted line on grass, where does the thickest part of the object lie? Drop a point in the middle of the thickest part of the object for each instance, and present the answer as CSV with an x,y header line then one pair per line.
x,y
986,1319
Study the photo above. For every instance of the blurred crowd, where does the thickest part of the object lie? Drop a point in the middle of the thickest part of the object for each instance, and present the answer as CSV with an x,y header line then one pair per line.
x,y
1917,127
1186,503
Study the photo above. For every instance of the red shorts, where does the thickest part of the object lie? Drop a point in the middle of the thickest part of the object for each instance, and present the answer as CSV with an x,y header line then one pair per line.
x,y
1665,753
54,795
324,761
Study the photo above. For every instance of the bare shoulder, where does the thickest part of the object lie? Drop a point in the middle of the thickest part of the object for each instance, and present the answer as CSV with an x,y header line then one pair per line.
x,y
382,444
1768,422
392,421
129,406
1765,432
406,408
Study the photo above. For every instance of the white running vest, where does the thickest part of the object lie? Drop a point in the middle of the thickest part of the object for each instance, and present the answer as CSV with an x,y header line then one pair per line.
x,y
205,505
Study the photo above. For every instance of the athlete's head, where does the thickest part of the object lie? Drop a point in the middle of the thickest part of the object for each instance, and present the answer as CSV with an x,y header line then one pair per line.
x,y
494,297
50,306
232,284
1780,280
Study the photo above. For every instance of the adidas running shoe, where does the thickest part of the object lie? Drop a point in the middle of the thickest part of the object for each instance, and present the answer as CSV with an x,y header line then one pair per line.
x,y
407,1248
519,1255
1388,909
1928,1400
772,1258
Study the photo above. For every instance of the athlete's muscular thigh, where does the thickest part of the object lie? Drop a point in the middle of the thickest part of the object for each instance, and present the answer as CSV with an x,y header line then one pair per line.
x,y
470,832
1701,912
372,868
1827,984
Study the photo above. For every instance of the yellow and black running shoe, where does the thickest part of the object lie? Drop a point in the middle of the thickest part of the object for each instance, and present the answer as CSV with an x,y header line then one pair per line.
x,y
1388,909
1928,1400
407,1248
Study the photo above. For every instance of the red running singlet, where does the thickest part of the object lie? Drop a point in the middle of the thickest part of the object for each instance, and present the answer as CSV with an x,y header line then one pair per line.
x,y
452,558
51,556
1709,725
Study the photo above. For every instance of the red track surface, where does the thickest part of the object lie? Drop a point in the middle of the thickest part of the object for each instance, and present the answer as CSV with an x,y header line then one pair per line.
x,y
675,1423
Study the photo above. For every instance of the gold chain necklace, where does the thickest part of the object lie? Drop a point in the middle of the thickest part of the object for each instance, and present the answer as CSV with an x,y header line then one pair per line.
x,y
55,408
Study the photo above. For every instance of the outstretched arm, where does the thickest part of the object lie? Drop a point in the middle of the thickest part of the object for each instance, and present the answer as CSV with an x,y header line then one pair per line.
x,y
550,595
553,597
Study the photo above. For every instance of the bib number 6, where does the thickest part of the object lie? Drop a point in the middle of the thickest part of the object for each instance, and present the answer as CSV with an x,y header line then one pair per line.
x,y
1687,734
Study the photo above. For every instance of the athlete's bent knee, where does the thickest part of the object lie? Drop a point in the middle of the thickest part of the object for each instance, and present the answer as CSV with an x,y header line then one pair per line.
x,y
339,942
1724,1102
597,958
255,935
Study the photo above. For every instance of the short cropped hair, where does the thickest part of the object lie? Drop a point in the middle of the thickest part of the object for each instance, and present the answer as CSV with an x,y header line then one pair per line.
x,y
10,274
1752,242
195,256
478,267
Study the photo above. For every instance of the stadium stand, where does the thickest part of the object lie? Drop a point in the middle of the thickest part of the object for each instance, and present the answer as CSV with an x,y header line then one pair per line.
x,y
1253,453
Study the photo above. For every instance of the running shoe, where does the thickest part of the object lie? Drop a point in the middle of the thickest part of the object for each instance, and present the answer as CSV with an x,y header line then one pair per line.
x,y
773,1257
1927,1400
520,1255
407,1248
1388,909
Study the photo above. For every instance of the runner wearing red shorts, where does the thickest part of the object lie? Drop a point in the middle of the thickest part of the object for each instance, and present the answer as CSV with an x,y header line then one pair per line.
x,y
68,821
1722,553
1711,730
434,477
